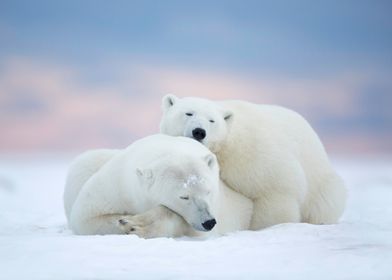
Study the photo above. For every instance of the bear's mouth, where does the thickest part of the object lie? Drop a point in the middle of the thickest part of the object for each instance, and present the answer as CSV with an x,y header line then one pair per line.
x,y
202,141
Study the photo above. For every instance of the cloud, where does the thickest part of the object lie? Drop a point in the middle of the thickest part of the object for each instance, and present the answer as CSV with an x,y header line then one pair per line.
x,y
65,111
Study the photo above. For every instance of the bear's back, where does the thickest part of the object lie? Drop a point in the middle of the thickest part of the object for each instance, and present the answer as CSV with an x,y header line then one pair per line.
x,y
280,126
159,145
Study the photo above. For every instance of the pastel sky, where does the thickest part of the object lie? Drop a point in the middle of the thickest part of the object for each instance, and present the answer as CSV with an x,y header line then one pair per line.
x,y
85,74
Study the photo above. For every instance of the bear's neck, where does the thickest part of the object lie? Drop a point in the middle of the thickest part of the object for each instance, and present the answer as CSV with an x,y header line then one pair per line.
x,y
224,150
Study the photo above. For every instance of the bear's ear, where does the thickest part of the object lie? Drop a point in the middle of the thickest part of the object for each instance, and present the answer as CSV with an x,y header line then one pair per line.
x,y
168,101
210,159
228,116
145,176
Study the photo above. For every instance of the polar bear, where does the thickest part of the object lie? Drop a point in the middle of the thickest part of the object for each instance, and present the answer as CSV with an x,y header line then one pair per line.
x,y
158,186
267,153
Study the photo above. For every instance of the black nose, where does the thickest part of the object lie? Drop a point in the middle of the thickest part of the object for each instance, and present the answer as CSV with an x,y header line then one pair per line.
x,y
208,225
199,134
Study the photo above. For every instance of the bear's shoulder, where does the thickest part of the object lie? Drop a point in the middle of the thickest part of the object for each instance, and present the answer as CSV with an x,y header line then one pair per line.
x,y
246,108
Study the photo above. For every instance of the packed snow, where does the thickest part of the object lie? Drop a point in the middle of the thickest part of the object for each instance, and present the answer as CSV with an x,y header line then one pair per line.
x,y
36,244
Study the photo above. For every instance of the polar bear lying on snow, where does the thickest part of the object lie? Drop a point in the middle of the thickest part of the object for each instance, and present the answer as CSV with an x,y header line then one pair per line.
x,y
268,153
158,186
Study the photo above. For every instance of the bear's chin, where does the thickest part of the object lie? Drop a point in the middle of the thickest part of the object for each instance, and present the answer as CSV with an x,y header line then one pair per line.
x,y
200,141
212,146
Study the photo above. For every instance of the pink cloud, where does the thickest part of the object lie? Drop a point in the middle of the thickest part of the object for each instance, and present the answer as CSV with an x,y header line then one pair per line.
x,y
82,115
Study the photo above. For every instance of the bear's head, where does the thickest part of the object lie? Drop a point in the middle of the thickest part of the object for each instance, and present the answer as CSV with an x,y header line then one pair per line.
x,y
186,184
197,118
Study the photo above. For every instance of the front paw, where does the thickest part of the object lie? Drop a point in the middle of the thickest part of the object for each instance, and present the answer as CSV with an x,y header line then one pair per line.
x,y
136,225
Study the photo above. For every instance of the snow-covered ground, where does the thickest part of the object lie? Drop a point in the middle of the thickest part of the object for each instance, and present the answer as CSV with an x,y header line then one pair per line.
x,y
36,244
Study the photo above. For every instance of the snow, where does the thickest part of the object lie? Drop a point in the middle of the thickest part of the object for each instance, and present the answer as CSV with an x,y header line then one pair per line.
x,y
192,180
36,244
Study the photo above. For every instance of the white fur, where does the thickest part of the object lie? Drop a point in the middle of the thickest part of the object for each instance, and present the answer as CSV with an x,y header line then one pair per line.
x,y
268,153
141,190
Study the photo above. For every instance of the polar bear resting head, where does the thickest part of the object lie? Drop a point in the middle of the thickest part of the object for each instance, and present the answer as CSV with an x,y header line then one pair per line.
x,y
189,189
196,118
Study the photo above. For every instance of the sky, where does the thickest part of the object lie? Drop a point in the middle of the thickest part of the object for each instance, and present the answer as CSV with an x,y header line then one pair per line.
x,y
87,74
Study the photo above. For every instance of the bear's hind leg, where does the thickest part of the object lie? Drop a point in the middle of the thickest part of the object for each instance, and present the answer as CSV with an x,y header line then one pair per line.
x,y
103,224
326,202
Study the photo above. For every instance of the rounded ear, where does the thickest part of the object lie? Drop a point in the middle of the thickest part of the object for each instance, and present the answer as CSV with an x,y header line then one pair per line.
x,y
168,101
145,176
228,116
210,159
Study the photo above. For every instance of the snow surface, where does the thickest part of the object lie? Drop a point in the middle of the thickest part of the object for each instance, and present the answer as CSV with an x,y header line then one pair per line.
x,y
36,244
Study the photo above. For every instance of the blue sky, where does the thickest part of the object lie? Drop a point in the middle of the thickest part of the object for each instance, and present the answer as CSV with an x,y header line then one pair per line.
x,y
276,41
286,37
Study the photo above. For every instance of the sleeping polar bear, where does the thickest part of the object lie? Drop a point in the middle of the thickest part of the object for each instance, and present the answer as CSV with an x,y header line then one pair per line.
x,y
158,186
268,153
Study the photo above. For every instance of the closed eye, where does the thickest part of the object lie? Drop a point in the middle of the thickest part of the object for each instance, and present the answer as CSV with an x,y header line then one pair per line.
x,y
189,114
185,197
212,121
